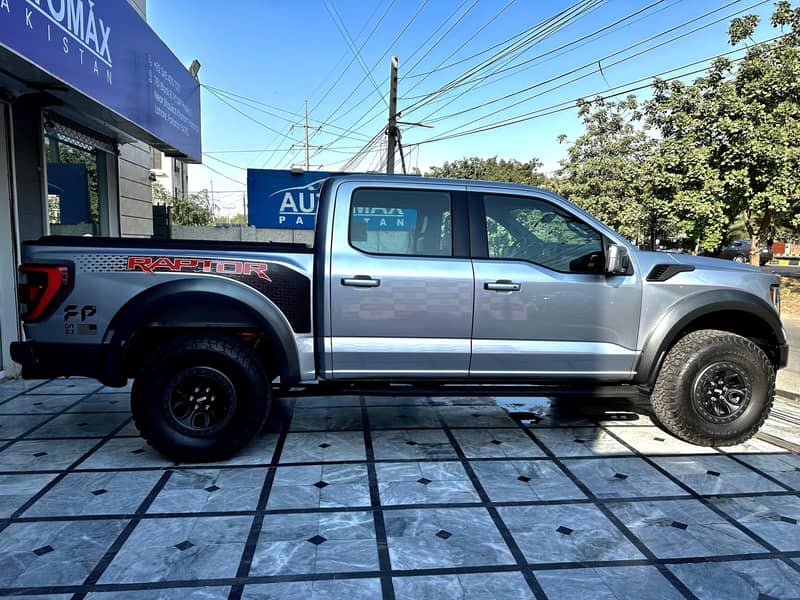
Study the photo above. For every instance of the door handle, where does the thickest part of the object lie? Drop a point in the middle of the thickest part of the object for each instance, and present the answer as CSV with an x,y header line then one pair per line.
x,y
361,281
502,285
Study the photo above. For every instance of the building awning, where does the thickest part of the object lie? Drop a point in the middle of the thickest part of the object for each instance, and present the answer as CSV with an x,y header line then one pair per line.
x,y
100,64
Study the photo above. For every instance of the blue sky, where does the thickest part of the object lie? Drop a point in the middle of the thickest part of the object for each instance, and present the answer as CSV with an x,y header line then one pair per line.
x,y
283,53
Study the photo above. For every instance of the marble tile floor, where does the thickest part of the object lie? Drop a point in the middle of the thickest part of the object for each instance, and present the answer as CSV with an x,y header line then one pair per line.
x,y
393,497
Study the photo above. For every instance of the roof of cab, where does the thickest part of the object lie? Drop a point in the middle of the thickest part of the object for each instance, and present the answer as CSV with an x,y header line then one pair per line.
x,y
378,177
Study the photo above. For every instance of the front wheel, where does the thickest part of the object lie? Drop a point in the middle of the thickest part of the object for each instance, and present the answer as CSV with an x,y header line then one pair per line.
x,y
200,397
739,258
714,389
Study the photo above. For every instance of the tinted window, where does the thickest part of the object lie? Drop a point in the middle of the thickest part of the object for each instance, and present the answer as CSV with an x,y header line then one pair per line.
x,y
408,222
537,231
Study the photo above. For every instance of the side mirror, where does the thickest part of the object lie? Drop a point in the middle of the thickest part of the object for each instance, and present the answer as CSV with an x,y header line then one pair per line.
x,y
617,260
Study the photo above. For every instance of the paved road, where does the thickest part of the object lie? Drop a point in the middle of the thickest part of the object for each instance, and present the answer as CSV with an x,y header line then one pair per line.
x,y
784,271
789,378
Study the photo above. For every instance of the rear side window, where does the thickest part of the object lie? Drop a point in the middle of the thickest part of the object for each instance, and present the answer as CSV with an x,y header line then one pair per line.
x,y
401,222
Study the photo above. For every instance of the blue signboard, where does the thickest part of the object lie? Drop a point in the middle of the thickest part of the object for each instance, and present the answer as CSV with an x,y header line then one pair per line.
x,y
282,199
106,51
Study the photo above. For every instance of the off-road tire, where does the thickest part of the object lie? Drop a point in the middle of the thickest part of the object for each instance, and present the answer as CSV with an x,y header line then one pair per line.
x,y
223,354
672,396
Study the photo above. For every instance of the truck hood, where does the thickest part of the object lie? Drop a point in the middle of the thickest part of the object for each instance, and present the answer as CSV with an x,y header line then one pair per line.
x,y
700,262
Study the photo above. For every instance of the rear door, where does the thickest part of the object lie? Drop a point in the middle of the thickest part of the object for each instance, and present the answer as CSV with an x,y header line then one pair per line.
x,y
544,309
401,282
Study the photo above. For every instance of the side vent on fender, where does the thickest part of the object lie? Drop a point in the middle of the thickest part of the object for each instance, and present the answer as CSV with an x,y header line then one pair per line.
x,y
663,272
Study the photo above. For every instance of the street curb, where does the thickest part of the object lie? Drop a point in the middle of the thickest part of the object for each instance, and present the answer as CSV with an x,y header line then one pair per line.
x,y
788,395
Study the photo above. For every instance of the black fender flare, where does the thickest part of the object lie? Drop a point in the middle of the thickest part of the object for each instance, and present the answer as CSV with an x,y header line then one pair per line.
x,y
166,305
681,314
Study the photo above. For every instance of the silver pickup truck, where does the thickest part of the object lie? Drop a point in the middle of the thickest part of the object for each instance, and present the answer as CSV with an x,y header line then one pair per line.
x,y
415,281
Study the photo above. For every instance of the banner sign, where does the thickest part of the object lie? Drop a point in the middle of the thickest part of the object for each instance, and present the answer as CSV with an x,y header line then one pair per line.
x,y
278,198
106,51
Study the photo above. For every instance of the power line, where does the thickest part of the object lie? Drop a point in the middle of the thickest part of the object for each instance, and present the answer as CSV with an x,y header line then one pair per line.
x,y
588,64
616,53
336,18
244,114
543,30
570,104
391,44
245,101
568,44
582,4
221,174
341,75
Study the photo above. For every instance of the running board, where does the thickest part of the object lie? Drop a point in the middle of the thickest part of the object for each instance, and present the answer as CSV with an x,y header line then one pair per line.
x,y
446,390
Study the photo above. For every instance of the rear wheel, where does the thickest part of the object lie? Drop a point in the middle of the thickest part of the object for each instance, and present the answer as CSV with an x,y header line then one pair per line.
x,y
739,258
714,389
200,397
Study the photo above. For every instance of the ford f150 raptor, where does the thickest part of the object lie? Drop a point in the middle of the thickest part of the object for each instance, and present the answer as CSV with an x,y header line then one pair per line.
x,y
413,281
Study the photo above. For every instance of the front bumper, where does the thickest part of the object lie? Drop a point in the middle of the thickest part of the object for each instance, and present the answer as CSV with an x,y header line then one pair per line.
x,y
46,360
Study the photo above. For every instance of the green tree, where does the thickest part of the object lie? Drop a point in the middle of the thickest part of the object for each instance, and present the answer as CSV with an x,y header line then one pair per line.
x,y
608,169
194,209
731,139
493,169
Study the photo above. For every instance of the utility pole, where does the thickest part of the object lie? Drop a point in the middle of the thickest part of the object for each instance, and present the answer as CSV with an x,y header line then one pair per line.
x,y
308,147
391,128
306,128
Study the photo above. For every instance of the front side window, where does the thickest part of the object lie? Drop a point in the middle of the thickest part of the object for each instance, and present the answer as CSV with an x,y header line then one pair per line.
x,y
403,222
537,231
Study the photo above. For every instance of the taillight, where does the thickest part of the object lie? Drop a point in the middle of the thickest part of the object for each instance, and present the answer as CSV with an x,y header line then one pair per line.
x,y
38,287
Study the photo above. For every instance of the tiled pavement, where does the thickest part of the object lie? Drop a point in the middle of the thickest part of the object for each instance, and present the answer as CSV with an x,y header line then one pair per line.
x,y
413,498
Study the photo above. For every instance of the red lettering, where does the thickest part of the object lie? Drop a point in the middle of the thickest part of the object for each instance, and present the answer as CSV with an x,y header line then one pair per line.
x,y
186,263
207,265
140,263
259,269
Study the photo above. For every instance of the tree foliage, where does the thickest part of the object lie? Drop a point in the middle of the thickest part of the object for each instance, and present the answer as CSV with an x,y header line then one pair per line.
x,y
194,209
607,170
731,139
493,169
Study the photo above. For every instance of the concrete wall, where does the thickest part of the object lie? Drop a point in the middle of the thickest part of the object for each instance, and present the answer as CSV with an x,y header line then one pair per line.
x,y
240,233
135,194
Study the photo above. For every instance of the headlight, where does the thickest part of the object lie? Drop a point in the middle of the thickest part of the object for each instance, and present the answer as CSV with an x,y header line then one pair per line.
x,y
775,296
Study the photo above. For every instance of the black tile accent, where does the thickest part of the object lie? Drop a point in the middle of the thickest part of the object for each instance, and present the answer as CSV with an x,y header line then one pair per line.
x,y
411,443
564,530
423,480
324,445
137,451
184,545
659,439
788,520
212,488
99,492
524,478
443,534
320,484
678,525
496,442
713,473
317,540
43,550
620,476
40,454
81,424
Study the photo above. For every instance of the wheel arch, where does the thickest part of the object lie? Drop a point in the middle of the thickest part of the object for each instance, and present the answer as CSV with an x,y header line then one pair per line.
x,y
733,311
196,303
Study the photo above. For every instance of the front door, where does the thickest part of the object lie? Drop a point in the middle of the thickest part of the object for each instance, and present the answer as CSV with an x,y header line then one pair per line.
x,y
401,283
544,309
